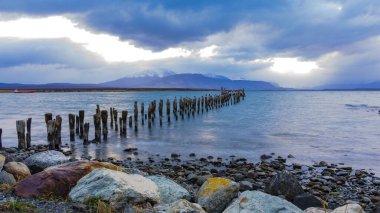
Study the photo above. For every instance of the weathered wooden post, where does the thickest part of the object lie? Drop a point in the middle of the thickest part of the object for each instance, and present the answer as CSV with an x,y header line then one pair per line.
x,y
160,106
81,121
20,127
97,125
123,125
51,133
58,128
115,119
104,115
136,115
130,121
48,117
111,116
85,133
149,116
98,109
28,132
1,143
72,126
142,114
77,124
168,109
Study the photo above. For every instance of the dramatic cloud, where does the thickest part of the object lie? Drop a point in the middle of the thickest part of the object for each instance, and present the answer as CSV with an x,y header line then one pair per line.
x,y
295,43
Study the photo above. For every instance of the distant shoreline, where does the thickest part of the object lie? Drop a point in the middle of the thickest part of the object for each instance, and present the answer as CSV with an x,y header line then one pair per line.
x,y
31,90
104,90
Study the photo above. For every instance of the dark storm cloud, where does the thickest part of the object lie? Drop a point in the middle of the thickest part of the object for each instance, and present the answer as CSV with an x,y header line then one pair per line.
x,y
153,24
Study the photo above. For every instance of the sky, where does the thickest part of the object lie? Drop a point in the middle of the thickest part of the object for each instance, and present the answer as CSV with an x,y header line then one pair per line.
x,y
293,43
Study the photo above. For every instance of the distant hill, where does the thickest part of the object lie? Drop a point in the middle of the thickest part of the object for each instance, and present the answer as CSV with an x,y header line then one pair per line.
x,y
46,86
189,81
175,81
368,86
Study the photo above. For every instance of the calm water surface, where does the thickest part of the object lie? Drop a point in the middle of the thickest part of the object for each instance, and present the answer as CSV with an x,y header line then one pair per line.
x,y
338,127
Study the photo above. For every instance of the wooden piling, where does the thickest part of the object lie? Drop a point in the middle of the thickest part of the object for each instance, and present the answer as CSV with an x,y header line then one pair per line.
x,y
168,109
97,125
28,132
57,134
72,126
97,109
136,112
142,114
48,117
77,124
111,116
51,134
115,119
1,142
81,121
130,121
85,133
104,115
20,127
123,125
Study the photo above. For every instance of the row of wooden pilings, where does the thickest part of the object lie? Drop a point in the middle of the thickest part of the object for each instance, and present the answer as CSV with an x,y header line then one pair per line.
x,y
77,126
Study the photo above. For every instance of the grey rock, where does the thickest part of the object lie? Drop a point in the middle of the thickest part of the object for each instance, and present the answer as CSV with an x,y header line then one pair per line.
x,y
216,193
116,188
256,201
307,200
7,178
286,184
170,191
43,160
180,206
245,186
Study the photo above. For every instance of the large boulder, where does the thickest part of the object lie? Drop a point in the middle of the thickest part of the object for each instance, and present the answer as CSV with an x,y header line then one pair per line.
x,y
57,181
2,161
17,169
349,208
286,184
117,188
179,206
42,160
7,178
307,200
256,201
170,191
216,193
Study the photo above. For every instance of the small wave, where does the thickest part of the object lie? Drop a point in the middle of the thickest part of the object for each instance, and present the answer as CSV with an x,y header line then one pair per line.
x,y
362,106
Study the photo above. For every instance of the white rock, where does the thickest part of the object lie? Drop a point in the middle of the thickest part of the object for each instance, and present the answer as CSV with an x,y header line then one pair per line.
x,y
349,208
316,210
170,191
256,201
2,161
117,188
180,206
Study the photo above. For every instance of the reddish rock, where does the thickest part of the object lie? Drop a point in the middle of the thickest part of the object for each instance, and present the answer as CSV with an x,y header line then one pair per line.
x,y
57,181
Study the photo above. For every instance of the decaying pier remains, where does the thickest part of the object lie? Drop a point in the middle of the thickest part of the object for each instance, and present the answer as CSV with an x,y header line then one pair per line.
x,y
78,127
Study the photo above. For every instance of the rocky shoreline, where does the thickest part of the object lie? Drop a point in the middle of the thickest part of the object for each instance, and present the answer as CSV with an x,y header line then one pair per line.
x,y
206,181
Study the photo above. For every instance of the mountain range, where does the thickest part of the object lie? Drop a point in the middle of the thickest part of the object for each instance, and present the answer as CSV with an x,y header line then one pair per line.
x,y
173,81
